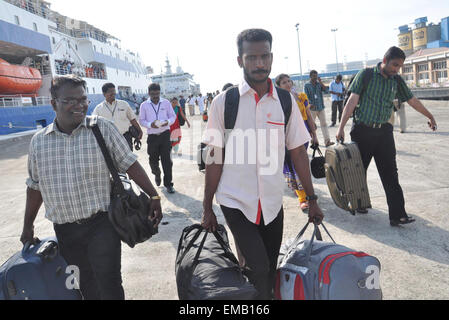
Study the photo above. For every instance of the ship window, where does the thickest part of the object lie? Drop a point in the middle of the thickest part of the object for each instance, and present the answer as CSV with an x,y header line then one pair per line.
x,y
16,18
54,40
87,89
93,90
35,26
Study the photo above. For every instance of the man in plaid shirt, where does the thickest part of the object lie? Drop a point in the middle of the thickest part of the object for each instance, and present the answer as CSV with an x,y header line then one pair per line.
x,y
67,172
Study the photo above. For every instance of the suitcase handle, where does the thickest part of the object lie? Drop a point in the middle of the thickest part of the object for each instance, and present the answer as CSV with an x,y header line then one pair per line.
x,y
316,235
28,245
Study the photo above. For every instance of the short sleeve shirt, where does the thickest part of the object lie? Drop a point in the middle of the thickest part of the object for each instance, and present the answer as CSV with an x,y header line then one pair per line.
x,y
252,180
70,170
376,102
119,112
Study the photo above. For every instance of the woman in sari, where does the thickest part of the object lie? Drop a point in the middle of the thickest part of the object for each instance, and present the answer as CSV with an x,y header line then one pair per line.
x,y
283,81
175,128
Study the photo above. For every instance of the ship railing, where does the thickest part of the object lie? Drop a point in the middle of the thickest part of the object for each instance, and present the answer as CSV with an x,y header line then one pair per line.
x,y
39,9
21,101
83,72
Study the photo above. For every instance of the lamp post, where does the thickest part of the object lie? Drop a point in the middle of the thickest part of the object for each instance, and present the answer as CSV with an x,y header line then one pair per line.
x,y
336,54
299,50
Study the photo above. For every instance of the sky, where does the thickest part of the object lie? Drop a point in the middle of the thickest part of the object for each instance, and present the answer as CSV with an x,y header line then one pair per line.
x,y
202,34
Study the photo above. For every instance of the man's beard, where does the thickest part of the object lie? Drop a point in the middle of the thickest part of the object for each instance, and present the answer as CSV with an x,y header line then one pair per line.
x,y
249,78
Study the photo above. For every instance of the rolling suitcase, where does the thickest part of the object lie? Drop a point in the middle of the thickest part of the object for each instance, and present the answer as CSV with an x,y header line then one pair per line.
x,y
346,177
317,270
206,268
38,272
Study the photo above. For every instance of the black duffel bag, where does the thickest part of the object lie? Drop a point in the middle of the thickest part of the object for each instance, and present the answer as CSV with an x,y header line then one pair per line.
x,y
206,268
317,163
128,212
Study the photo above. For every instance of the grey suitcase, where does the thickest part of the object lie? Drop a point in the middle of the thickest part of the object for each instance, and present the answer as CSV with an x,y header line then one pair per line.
x,y
317,270
346,177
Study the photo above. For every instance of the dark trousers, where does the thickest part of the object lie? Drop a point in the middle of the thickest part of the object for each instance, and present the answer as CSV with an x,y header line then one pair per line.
x,y
379,144
129,139
337,105
259,247
159,147
95,248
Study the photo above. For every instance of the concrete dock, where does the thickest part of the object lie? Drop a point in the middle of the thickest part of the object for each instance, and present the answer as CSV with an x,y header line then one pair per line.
x,y
414,258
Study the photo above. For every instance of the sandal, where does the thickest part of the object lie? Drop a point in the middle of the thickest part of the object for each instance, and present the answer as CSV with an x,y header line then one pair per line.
x,y
406,220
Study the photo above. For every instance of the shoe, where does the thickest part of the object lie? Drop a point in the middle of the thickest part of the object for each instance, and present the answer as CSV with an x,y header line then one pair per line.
x,y
332,125
158,181
170,189
362,211
304,206
407,220
329,143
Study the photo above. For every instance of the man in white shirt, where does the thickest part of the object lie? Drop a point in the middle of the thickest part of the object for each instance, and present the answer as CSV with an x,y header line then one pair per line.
x,y
191,102
250,191
119,112
200,102
337,90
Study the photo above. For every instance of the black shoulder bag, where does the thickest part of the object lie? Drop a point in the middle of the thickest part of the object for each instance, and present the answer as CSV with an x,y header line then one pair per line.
x,y
128,213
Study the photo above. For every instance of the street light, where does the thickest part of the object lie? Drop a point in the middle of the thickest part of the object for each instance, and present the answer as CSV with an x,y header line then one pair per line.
x,y
300,61
336,54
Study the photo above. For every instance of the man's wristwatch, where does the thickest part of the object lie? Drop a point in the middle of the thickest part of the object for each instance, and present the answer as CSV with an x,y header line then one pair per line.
x,y
156,198
312,198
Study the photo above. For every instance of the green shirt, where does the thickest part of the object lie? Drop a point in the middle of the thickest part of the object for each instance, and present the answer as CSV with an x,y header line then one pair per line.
x,y
376,102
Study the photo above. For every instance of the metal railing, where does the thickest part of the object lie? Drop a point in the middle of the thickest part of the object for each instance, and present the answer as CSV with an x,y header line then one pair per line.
x,y
35,7
84,72
19,101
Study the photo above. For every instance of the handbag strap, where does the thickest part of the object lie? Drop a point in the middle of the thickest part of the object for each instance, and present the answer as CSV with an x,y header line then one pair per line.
x,y
101,142
316,235
319,152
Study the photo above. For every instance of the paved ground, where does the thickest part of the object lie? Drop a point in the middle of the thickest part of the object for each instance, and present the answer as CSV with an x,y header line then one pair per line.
x,y
415,258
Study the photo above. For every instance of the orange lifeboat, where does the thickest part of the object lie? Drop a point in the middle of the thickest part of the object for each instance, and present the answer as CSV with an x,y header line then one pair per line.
x,y
16,79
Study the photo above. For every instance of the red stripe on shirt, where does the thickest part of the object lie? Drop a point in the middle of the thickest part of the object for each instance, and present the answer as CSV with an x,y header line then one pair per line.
x,y
259,214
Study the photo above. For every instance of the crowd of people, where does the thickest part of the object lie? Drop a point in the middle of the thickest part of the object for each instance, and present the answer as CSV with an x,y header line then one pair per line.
x,y
250,195
67,66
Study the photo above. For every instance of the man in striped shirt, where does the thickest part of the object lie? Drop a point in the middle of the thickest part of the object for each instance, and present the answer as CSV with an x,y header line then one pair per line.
x,y
371,130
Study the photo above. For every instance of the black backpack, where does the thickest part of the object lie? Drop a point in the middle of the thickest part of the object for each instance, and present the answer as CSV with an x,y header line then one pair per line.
x,y
233,100
367,75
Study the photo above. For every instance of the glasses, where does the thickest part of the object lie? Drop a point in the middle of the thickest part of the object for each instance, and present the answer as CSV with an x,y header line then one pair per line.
x,y
74,102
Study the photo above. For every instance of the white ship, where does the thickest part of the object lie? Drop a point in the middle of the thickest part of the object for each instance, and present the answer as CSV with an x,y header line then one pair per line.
x,y
34,36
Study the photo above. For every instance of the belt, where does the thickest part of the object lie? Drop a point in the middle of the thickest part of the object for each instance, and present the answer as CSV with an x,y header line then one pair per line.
x,y
372,125
91,218
158,134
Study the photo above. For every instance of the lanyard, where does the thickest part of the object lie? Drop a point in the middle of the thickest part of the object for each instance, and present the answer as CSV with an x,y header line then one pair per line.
x,y
158,109
115,107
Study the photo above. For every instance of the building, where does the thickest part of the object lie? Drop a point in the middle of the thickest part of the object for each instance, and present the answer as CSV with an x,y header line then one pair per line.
x,y
427,67
423,36
176,84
